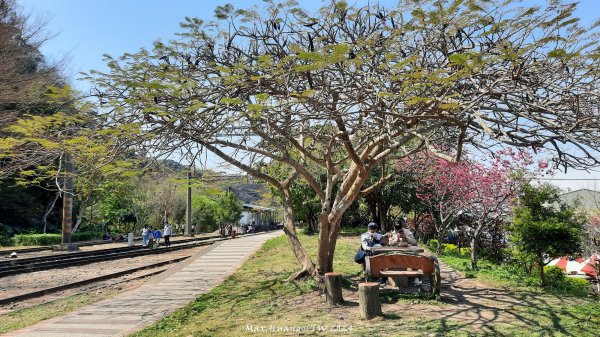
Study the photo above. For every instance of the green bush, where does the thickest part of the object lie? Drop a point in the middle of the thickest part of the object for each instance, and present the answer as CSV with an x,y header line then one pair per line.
x,y
576,286
450,249
465,251
36,239
554,276
4,240
432,244
51,239
558,282
307,231
350,230
86,236
5,234
572,287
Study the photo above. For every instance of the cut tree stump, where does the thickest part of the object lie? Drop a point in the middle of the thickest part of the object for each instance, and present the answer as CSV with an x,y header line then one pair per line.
x,y
333,288
368,299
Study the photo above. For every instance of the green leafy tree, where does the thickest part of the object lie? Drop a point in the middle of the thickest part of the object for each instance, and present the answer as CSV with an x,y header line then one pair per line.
x,y
205,214
398,191
347,88
115,207
229,208
25,76
544,227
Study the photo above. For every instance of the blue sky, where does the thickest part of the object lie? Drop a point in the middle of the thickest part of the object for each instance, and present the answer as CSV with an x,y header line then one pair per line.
x,y
87,29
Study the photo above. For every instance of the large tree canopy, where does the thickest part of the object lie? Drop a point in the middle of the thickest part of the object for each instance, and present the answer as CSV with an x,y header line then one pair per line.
x,y
345,88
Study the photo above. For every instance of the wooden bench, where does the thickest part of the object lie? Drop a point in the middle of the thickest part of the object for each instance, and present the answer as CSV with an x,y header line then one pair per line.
x,y
400,266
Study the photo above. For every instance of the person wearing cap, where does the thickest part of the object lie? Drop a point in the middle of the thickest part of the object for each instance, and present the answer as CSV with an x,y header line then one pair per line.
x,y
371,238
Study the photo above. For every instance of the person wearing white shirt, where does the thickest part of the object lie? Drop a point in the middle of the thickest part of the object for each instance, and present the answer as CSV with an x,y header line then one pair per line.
x,y
145,235
167,234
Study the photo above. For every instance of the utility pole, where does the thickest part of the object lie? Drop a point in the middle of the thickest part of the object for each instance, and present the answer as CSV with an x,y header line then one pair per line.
x,y
67,218
188,216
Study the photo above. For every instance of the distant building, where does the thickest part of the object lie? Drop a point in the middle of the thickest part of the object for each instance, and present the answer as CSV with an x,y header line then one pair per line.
x,y
262,216
588,199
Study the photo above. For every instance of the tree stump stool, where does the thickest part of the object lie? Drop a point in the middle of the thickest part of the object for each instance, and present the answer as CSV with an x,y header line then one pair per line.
x,y
333,288
368,299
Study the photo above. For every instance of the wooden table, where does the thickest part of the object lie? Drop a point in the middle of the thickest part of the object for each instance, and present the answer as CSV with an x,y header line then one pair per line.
x,y
398,281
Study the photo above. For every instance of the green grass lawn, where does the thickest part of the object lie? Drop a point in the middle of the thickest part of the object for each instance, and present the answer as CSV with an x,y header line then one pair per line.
x,y
257,300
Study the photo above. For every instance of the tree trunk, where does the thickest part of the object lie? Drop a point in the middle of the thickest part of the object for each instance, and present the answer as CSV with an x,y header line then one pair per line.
x,y
67,220
440,238
383,210
373,210
381,216
328,232
541,264
310,219
92,215
47,212
333,288
473,253
289,228
79,218
368,299
417,222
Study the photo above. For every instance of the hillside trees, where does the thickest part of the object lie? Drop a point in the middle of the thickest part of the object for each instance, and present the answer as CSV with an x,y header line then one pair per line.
x,y
24,72
24,77
49,136
347,88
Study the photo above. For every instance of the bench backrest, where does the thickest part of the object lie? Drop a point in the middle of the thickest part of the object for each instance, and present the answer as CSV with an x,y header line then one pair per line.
x,y
374,264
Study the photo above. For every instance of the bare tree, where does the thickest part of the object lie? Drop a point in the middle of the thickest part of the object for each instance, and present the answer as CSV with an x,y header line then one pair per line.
x,y
346,88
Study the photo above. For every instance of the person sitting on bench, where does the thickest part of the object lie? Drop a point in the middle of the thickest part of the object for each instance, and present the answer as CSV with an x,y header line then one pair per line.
x,y
400,235
372,239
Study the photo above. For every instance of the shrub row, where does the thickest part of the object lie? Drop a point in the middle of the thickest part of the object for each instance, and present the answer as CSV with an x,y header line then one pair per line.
x,y
448,248
51,239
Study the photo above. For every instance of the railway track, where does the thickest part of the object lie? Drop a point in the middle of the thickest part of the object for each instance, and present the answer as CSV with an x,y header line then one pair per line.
x,y
14,267
6,253
72,285
10,267
28,265
84,253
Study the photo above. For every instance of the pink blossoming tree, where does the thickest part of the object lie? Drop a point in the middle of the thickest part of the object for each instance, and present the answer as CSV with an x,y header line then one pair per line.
x,y
442,187
484,191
